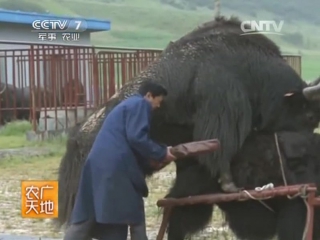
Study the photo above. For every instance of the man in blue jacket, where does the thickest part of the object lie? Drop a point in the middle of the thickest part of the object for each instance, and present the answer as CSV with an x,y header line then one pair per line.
x,y
112,185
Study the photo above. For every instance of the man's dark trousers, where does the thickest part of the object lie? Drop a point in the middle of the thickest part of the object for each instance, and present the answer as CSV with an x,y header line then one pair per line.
x,y
138,232
87,229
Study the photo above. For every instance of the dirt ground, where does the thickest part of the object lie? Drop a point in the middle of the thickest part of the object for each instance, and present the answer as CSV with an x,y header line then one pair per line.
x,y
15,169
25,161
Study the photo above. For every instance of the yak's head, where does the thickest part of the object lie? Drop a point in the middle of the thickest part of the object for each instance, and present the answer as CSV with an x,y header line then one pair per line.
x,y
301,111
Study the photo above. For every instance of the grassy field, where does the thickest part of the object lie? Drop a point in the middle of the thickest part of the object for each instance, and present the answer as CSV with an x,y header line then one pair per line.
x,y
148,23
310,66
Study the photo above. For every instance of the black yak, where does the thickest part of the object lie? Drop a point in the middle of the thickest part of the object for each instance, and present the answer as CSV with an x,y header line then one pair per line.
x,y
16,103
220,85
257,164
6,101
73,93
12,104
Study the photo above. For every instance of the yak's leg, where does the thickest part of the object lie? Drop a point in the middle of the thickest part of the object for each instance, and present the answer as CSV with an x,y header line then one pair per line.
x,y
291,220
226,182
188,220
316,224
192,179
250,220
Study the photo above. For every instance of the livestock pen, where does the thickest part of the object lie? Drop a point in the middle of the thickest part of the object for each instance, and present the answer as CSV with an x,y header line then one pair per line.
x,y
54,81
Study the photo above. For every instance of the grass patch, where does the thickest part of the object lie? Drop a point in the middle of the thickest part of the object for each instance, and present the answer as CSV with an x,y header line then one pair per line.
x,y
14,142
310,66
16,128
31,168
13,135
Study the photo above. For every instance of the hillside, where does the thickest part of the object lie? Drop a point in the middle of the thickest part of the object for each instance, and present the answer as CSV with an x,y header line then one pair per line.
x,y
153,23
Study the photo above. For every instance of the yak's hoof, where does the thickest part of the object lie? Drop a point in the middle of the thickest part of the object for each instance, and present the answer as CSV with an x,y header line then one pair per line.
x,y
229,187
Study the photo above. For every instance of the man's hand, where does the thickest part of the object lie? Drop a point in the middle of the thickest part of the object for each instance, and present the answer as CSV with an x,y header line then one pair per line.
x,y
169,157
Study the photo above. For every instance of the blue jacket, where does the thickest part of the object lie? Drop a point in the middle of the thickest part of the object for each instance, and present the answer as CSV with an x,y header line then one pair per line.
x,y
112,185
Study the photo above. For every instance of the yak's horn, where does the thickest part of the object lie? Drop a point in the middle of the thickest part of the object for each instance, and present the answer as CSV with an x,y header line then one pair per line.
x,y
312,92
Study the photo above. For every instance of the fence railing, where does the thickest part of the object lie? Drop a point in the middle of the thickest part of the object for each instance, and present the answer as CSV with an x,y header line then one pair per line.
x,y
41,83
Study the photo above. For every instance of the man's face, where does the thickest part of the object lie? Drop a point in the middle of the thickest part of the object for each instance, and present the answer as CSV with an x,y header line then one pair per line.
x,y
155,101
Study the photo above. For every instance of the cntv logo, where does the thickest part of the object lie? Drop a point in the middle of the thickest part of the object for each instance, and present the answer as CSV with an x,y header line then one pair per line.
x,y
264,27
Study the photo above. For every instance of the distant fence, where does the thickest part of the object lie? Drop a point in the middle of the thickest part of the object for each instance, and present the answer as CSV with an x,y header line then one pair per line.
x,y
294,61
55,86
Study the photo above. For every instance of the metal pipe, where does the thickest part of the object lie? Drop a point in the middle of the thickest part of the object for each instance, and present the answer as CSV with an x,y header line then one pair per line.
x,y
241,196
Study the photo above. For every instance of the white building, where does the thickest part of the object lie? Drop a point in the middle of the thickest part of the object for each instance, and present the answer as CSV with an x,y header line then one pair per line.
x,y
27,58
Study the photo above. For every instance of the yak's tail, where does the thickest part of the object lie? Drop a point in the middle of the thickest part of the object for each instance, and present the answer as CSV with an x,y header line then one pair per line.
x,y
69,174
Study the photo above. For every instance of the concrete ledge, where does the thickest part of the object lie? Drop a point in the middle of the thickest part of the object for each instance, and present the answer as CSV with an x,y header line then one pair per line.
x,y
62,119
25,152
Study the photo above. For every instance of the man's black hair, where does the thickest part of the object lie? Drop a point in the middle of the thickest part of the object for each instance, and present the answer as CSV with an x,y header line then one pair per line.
x,y
154,88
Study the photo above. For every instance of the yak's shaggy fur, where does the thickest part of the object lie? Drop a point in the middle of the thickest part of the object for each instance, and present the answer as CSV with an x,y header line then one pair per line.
x,y
257,164
220,85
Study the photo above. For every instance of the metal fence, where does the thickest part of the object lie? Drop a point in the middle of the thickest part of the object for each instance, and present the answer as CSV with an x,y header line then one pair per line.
x,y
294,61
60,85
55,86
